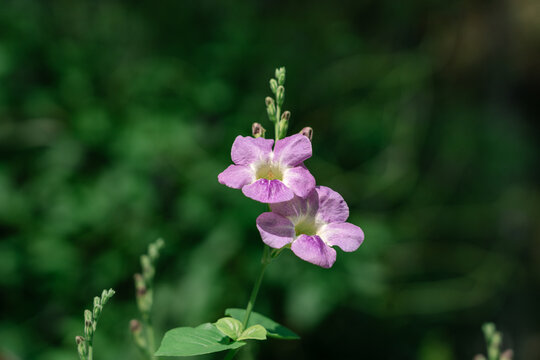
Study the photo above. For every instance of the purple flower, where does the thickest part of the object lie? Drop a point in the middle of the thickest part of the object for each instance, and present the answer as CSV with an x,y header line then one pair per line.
x,y
266,175
311,226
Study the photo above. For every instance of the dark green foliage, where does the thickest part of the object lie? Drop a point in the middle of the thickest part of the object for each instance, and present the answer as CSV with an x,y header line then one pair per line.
x,y
117,116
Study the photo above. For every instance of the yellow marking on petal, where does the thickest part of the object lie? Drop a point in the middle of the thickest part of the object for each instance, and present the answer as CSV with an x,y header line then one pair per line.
x,y
269,171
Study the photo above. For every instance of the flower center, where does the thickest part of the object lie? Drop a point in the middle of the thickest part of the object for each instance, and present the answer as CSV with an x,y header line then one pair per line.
x,y
306,226
269,171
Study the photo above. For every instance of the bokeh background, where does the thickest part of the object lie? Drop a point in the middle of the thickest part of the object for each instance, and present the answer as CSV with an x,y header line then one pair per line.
x,y
117,116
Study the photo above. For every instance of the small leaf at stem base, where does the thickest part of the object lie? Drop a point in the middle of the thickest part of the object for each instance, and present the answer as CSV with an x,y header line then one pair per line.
x,y
274,330
230,327
255,332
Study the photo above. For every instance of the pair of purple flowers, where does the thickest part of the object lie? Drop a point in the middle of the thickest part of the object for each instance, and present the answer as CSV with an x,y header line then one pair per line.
x,y
308,218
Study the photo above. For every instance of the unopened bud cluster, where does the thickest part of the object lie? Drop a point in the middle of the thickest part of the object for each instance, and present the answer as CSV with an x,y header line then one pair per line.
x,y
143,334
144,280
274,109
494,341
274,105
136,329
84,344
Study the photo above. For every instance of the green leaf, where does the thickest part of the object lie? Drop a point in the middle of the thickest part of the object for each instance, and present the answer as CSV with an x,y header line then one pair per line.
x,y
274,330
188,341
255,332
230,327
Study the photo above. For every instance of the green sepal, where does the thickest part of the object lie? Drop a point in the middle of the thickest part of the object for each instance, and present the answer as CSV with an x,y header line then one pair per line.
x,y
188,341
273,329
255,332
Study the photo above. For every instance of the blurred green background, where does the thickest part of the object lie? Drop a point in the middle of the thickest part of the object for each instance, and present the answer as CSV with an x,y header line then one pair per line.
x,y
117,116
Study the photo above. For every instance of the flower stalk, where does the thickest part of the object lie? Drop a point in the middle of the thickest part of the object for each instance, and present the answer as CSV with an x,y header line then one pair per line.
x,y
266,259
143,332
493,342
85,345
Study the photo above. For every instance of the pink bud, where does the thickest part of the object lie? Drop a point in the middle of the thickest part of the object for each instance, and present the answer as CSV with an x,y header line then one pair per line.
x,y
307,132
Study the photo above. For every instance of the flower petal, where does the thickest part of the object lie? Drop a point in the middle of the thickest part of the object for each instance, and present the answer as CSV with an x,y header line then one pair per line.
x,y
276,230
292,150
268,191
298,207
299,180
312,249
332,207
236,176
345,235
246,150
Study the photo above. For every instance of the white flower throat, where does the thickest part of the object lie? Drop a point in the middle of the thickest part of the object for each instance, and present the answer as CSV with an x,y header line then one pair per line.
x,y
305,225
270,171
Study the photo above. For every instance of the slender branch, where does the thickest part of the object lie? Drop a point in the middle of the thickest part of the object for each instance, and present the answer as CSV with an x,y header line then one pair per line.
x,y
265,261
149,332
276,126
143,334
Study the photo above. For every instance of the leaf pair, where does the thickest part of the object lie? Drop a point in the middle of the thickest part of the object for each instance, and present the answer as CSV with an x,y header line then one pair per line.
x,y
273,329
188,341
209,338
234,329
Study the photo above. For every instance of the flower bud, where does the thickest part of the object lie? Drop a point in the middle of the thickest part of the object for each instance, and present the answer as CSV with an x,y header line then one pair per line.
x,y
270,108
106,295
79,339
97,308
140,285
507,355
280,75
143,294
286,116
135,326
154,248
489,330
257,130
81,347
496,339
273,85
88,325
153,252
148,268
284,124
307,132
280,95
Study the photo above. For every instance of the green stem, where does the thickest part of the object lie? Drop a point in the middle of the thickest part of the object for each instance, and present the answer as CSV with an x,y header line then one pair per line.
x,y
150,339
278,118
90,351
265,261
231,354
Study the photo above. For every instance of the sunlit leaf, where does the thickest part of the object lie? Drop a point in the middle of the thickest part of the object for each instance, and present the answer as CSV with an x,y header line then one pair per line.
x,y
273,329
188,341
255,332
230,327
